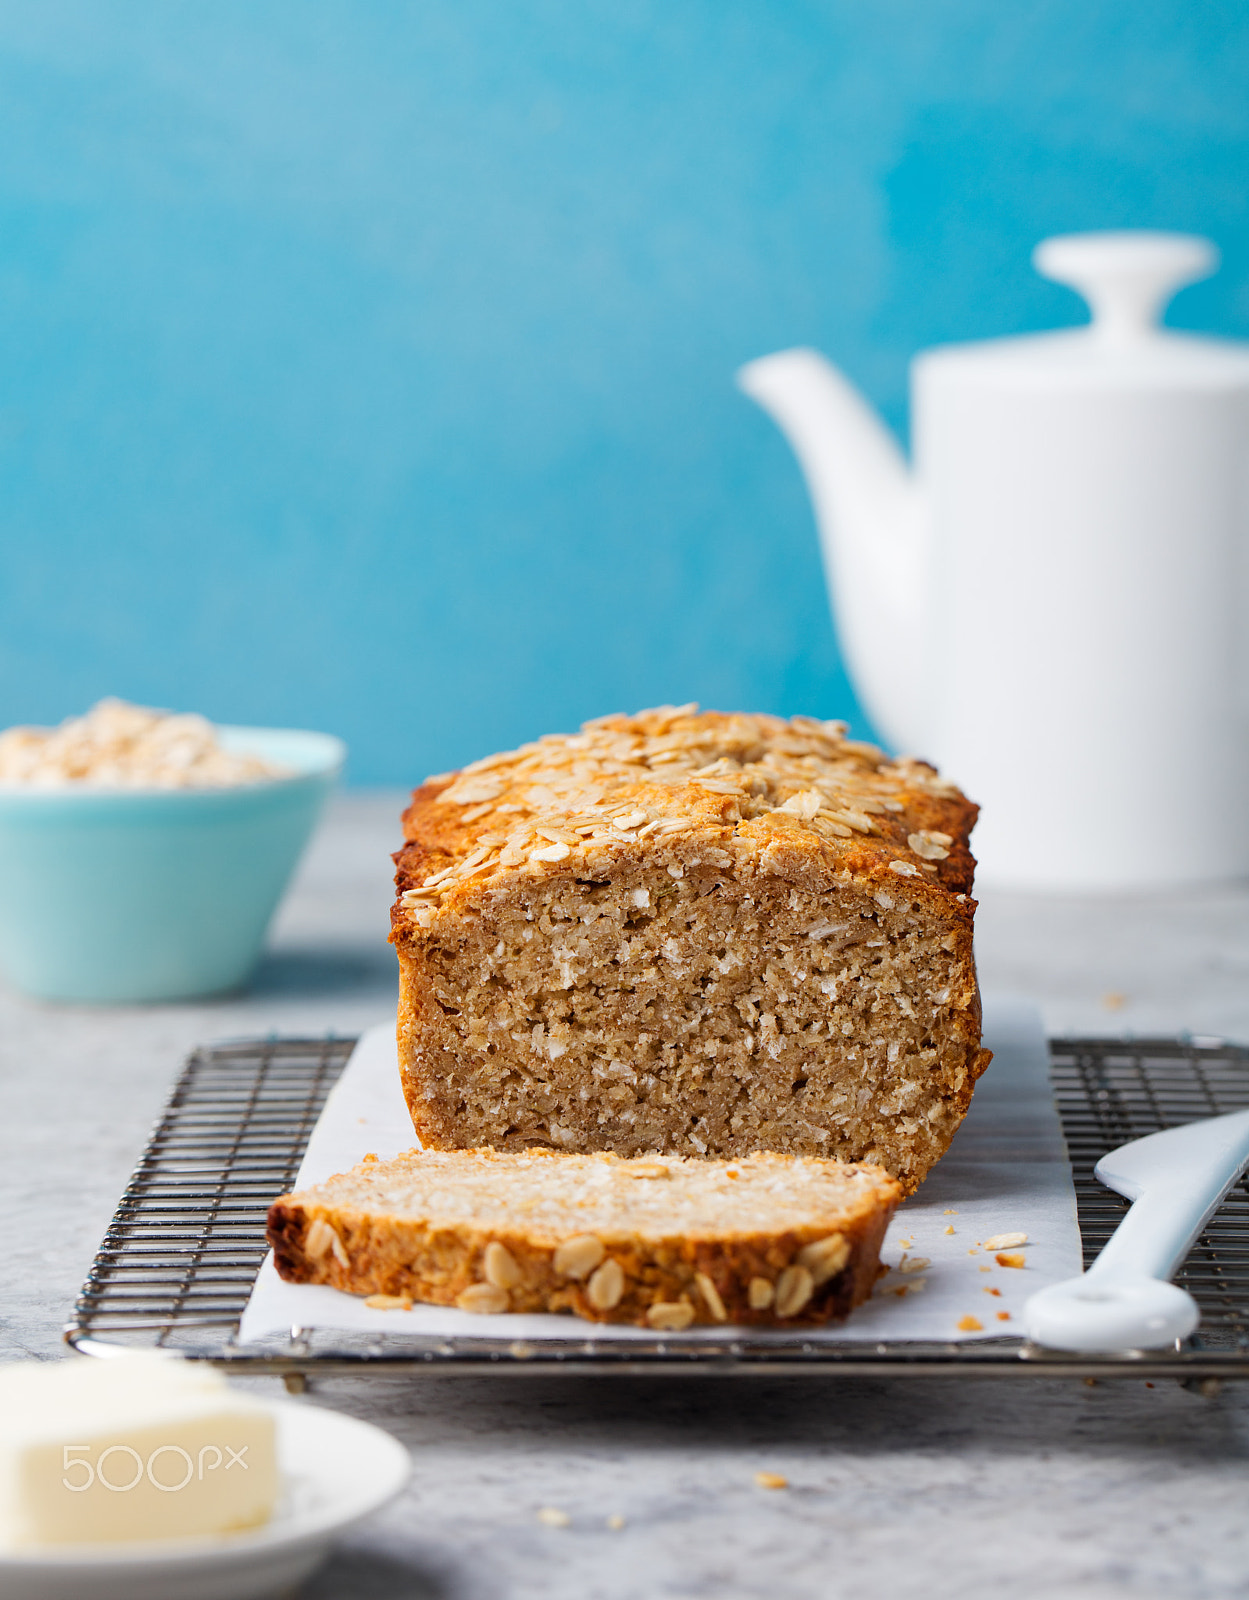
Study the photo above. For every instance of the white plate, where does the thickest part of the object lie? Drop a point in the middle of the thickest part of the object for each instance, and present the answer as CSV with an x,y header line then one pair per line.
x,y
335,1470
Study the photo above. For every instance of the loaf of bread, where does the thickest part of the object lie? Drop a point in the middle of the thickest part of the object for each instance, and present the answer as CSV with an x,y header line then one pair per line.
x,y
698,934
662,1242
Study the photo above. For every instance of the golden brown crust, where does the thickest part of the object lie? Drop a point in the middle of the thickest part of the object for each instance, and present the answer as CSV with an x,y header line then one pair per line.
x,y
377,1250
764,764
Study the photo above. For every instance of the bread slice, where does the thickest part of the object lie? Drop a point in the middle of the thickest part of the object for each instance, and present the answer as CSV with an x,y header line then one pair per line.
x,y
691,933
662,1242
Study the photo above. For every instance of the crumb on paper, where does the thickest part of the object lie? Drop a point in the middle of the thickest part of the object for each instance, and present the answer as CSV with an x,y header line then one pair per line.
x,y
1114,1000
973,1251
949,1212
553,1517
996,1292
986,1269
1004,1241
949,1227
1010,1258
615,1522
1003,1316
906,1244
970,1325
771,1480
913,1263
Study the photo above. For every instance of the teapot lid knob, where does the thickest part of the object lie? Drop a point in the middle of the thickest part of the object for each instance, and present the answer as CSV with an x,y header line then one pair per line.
x,y
1127,278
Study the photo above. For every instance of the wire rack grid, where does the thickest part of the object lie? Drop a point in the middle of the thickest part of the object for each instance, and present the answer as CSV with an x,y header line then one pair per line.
x,y
179,1259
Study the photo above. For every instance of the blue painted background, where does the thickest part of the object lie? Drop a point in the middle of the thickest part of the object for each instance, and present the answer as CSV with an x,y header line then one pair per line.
x,y
368,366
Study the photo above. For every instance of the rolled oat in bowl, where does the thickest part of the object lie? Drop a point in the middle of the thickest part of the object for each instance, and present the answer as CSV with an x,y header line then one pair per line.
x,y
122,746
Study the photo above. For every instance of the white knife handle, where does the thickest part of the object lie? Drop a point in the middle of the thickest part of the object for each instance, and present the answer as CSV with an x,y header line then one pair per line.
x,y
1176,1181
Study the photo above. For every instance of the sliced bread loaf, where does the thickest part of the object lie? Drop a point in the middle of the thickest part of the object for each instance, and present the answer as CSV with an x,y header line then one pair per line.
x,y
658,1241
690,933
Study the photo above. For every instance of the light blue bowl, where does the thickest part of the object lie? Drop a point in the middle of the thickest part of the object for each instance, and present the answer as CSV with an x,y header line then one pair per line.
x,y
114,895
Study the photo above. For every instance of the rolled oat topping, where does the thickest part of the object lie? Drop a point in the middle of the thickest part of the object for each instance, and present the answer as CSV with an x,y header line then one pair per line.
x,y
554,797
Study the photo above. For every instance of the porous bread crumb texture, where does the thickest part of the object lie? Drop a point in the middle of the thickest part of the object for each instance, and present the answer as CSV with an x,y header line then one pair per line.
x,y
121,746
662,1243
703,934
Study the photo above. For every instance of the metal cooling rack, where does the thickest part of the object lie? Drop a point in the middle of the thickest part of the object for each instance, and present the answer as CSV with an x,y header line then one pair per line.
x,y
178,1261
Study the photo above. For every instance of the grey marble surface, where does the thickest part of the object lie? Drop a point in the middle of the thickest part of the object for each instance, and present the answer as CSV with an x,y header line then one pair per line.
x,y
941,1488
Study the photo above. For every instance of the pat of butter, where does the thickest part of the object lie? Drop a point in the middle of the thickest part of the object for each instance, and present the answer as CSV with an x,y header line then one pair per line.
x,y
142,1446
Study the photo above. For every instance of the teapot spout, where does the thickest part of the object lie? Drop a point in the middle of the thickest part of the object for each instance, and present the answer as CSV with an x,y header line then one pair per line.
x,y
871,523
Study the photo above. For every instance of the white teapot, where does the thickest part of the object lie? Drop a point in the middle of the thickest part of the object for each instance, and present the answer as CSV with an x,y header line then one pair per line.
x,y
1052,604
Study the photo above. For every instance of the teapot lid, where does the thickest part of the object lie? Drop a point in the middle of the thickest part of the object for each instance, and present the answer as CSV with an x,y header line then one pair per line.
x,y
1127,279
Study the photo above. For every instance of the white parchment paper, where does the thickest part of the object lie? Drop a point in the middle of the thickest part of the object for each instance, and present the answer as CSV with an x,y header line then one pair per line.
x,y
1005,1172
